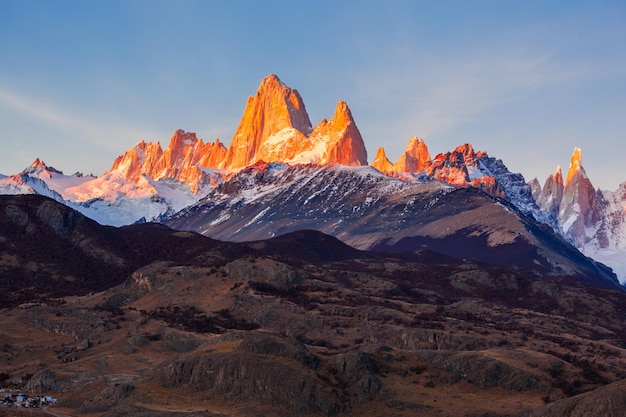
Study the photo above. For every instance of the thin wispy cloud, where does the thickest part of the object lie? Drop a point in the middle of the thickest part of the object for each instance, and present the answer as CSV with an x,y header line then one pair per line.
x,y
97,132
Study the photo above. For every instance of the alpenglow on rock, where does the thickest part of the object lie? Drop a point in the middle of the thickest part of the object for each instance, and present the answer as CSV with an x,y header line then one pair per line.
x,y
181,160
415,158
275,127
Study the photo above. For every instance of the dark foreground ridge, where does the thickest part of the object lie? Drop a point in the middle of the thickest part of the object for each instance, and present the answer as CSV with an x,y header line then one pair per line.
x,y
169,323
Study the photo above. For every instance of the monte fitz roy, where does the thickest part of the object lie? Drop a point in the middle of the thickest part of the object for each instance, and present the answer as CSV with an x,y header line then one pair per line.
x,y
281,174
288,275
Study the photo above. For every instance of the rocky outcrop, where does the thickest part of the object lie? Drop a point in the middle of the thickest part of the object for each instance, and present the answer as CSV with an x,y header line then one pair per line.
x,y
115,393
266,344
481,371
358,371
59,218
44,381
382,163
181,160
607,401
53,216
415,157
244,375
550,196
275,273
278,370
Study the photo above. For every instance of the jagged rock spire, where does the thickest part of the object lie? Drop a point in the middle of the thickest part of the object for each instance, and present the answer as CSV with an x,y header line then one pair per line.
x,y
549,199
381,162
575,165
275,127
274,108
579,208
415,156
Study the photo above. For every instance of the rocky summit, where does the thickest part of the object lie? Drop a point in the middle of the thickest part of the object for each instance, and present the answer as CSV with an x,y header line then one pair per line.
x,y
181,160
275,126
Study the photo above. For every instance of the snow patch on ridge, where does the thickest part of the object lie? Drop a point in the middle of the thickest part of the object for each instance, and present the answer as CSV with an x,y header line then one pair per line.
x,y
611,257
474,173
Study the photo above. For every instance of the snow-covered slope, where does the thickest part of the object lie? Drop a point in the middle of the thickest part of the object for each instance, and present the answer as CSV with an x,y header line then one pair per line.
x,y
367,209
110,199
515,190
606,237
38,179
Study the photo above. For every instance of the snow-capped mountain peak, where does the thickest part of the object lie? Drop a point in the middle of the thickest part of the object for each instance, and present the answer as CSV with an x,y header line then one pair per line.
x,y
39,169
594,221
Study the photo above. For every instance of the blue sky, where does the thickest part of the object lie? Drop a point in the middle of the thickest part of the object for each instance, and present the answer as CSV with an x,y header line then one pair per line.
x,y
525,81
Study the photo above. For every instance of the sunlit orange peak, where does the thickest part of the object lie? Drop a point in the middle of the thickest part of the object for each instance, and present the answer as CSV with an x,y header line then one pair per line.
x,y
574,165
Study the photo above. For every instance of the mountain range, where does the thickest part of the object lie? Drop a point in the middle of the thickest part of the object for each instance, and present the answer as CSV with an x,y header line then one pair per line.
x,y
281,174
593,220
284,276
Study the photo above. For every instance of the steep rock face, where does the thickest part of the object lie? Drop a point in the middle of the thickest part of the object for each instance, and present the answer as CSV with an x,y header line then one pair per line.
x,y
342,140
452,167
535,188
415,157
275,127
143,158
382,163
575,165
606,241
549,199
580,208
181,160
612,232
461,167
274,109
